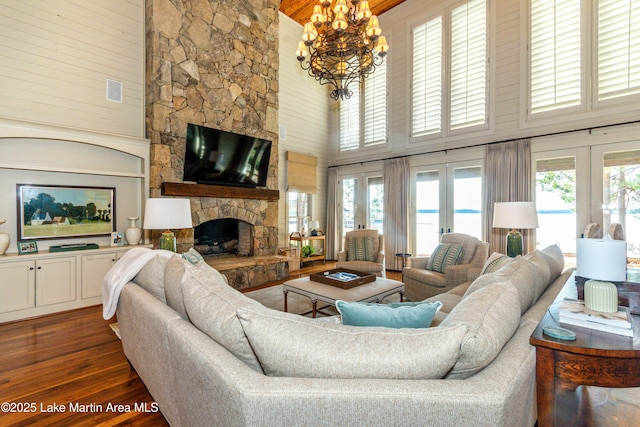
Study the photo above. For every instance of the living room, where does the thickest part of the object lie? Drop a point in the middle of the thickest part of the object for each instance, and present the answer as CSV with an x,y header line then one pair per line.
x,y
57,128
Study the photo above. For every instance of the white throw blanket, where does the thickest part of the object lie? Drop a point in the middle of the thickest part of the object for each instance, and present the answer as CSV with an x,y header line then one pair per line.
x,y
122,272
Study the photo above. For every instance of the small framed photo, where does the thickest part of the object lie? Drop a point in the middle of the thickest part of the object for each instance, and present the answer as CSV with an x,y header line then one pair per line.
x,y
27,247
116,239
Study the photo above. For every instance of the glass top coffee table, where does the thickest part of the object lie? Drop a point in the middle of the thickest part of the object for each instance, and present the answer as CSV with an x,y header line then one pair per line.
x,y
374,291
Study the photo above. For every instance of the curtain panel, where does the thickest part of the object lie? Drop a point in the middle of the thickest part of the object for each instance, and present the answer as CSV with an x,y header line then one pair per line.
x,y
396,210
331,232
508,178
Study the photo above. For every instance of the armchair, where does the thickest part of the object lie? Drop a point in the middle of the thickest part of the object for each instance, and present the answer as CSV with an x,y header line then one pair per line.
x,y
421,283
363,251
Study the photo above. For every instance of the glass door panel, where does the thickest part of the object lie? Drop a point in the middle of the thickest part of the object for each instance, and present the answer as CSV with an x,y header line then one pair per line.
x,y
349,195
621,196
556,203
467,201
427,212
375,204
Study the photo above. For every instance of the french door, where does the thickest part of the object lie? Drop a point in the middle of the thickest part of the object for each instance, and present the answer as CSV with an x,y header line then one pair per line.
x,y
446,197
362,201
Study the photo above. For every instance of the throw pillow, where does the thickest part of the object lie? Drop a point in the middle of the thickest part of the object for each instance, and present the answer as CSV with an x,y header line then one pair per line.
x,y
555,259
369,249
492,315
356,248
393,315
193,256
444,255
495,262
306,348
544,273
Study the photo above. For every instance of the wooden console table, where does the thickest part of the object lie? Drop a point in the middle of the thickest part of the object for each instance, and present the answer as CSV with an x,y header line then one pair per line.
x,y
299,241
595,358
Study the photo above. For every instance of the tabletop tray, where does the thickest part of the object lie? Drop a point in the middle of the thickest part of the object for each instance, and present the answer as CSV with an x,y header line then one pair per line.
x,y
359,278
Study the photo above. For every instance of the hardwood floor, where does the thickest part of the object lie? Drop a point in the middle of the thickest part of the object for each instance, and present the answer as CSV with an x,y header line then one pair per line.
x,y
74,362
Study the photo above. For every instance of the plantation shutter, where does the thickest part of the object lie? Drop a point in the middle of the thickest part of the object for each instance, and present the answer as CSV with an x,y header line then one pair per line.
x,y
375,106
618,48
350,119
301,173
426,100
468,64
555,54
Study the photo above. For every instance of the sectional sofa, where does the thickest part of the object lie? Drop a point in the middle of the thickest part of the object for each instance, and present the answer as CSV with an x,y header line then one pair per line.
x,y
211,356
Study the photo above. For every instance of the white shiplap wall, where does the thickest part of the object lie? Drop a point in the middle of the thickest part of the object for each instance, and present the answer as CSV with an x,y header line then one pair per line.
x,y
304,111
56,56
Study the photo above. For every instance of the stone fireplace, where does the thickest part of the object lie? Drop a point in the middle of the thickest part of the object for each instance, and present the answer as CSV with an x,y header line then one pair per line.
x,y
216,64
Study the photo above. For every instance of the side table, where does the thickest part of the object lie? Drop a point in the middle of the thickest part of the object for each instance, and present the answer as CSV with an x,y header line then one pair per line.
x,y
595,358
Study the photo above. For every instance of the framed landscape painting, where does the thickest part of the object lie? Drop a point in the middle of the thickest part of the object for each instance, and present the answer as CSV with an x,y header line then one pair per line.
x,y
58,212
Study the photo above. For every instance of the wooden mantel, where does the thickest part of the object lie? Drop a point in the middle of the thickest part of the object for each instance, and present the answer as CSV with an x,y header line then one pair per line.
x,y
221,191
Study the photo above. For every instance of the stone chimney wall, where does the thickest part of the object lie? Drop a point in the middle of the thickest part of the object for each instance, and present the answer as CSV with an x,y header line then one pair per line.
x,y
213,63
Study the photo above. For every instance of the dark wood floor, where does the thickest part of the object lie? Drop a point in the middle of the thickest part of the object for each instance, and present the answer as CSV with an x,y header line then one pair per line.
x,y
74,361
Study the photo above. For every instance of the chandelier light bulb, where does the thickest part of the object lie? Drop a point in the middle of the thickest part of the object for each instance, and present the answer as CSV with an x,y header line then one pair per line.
x,y
382,47
364,13
318,17
341,6
301,52
325,3
373,27
310,33
340,23
341,68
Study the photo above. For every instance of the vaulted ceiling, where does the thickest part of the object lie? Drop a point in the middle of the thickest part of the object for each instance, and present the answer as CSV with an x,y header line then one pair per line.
x,y
300,10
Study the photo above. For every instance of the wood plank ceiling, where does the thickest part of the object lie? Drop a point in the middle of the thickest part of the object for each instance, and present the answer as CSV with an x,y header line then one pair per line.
x,y
300,10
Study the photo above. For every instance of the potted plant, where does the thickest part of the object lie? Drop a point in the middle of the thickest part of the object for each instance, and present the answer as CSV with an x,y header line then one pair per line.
x,y
307,251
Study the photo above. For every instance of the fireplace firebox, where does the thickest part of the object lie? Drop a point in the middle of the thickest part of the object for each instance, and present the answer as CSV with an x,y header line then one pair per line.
x,y
224,236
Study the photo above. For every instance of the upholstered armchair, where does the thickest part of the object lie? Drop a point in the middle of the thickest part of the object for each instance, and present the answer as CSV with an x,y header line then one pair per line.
x,y
422,283
363,251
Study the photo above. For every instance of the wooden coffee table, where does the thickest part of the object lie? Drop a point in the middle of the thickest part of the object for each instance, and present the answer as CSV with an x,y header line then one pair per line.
x,y
369,292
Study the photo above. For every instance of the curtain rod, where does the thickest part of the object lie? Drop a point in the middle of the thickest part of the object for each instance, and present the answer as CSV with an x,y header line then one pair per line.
x,y
490,143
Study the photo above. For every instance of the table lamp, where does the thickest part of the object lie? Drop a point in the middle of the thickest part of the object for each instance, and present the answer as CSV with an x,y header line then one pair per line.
x,y
314,226
515,215
165,214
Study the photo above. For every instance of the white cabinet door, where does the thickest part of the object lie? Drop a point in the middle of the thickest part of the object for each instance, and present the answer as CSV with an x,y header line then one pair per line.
x,y
94,267
17,286
56,279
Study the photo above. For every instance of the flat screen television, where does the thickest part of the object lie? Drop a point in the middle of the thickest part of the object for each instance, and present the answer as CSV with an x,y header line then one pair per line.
x,y
224,158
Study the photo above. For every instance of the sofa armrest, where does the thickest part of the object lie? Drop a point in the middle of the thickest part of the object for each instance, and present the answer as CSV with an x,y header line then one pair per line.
x,y
342,256
418,262
456,274
473,273
380,257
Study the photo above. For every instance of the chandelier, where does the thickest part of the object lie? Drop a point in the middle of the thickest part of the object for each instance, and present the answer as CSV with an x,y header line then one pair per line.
x,y
344,43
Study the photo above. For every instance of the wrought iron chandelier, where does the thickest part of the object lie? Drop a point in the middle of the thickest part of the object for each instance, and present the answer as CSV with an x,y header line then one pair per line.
x,y
344,43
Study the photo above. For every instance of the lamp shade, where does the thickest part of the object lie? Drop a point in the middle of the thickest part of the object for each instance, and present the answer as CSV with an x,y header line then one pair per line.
x,y
515,215
601,259
166,214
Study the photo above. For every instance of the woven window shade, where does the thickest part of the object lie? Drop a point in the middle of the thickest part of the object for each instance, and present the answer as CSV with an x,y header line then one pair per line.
x,y
301,173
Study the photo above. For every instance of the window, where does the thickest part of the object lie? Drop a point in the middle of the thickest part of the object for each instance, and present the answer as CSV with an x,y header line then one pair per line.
x,y
618,48
457,44
299,211
363,117
561,76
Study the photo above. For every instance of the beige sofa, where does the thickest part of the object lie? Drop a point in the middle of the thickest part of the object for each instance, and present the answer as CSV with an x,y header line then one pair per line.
x,y
210,356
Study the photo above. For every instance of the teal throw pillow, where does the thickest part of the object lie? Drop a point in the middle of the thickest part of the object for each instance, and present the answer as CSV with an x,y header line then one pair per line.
x,y
444,255
356,249
393,315
192,256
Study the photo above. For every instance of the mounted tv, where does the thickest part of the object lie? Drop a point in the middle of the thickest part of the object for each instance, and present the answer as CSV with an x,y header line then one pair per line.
x,y
224,158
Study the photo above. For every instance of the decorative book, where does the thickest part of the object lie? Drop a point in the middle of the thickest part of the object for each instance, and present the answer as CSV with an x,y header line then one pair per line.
x,y
575,313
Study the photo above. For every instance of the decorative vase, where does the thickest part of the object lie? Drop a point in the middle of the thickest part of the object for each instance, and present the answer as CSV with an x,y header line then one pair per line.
x,y
133,233
4,240
601,296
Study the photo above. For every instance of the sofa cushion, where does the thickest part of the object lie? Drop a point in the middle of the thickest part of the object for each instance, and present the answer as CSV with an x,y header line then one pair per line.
x,y
443,256
492,315
555,259
393,315
151,277
304,347
544,273
211,305
495,262
425,276
520,272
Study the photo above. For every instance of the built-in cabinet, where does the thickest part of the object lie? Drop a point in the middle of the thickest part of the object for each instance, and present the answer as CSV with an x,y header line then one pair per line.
x,y
48,282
